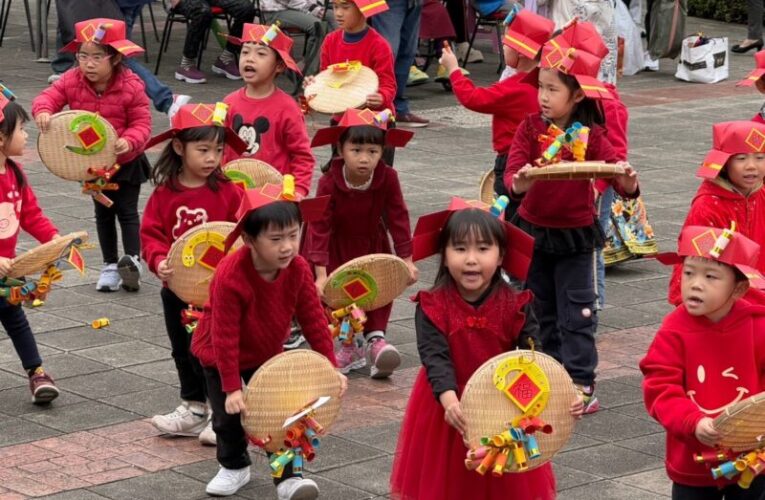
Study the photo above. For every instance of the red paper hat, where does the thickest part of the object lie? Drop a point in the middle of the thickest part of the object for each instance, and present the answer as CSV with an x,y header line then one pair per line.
x,y
103,31
6,96
370,8
756,73
200,115
722,245
731,138
270,36
362,117
527,32
520,246
310,208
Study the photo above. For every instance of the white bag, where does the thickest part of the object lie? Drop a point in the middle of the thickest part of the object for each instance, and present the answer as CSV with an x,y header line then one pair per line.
x,y
706,63
633,44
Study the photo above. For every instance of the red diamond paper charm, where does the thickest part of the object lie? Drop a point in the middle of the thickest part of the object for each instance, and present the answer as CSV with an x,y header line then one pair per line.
x,y
76,260
211,257
356,289
704,242
88,32
203,113
273,191
523,391
89,137
756,140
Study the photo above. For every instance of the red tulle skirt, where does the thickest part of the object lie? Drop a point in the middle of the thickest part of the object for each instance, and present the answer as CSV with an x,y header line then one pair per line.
x,y
430,460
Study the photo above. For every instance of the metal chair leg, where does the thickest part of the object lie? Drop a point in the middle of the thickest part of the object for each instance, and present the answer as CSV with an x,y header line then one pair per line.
x,y
153,22
499,48
143,37
164,42
472,39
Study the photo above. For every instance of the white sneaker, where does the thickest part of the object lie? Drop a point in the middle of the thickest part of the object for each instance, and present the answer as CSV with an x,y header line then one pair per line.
x,y
207,436
297,488
475,54
179,100
109,281
130,270
189,419
228,481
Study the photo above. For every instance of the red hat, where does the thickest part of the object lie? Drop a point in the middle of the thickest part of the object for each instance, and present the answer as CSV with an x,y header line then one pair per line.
x,y
370,8
103,31
722,245
6,96
527,32
756,73
270,36
728,139
310,208
520,246
200,115
363,117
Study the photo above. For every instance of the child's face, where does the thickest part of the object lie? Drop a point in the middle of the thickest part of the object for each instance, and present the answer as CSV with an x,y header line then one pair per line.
x,y
14,145
274,248
200,158
361,159
472,265
95,63
555,99
709,288
348,16
259,64
511,56
746,171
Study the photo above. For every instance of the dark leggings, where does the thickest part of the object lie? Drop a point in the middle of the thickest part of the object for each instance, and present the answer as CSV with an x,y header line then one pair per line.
x,y
200,17
124,209
17,327
189,373
456,9
732,492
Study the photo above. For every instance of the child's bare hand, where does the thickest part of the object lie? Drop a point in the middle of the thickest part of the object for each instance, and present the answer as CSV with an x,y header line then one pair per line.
x,y
521,182
448,60
414,273
577,407
374,100
343,383
320,282
164,271
5,266
706,432
453,416
43,121
628,180
309,80
235,403
122,146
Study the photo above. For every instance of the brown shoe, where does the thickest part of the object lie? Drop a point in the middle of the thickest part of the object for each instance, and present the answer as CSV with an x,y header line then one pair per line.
x,y
410,120
43,388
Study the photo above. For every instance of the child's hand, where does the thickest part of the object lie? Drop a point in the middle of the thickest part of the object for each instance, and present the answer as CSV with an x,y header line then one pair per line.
x,y
521,183
577,407
122,146
343,383
235,403
164,271
320,282
5,266
628,181
706,432
309,80
374,100
453,411
43,121
448,60
414,273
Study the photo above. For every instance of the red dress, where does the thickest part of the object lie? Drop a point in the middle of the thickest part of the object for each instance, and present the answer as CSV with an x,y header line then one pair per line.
x,y
430,457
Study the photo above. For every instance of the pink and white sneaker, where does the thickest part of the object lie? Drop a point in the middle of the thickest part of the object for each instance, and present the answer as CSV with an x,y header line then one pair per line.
x,y
350,357
383,358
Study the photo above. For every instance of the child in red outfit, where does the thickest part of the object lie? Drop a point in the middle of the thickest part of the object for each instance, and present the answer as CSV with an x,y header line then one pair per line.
x,y
19,209
191,190
264,116
708,354
254,294
366,205
474,246
101,84
755,78
733,173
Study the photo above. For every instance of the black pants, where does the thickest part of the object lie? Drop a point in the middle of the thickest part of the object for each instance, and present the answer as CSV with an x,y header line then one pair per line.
x,y
124,209
17,327
564,302
189,373
231,440
199,16
733,492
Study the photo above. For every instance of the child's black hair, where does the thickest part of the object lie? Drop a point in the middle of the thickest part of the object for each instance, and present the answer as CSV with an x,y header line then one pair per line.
x,y
588,111
462,226
363,134
12,113
170,164
276,215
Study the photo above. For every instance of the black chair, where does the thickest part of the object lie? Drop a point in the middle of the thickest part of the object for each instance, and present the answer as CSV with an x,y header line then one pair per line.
x,y
494,20
5,10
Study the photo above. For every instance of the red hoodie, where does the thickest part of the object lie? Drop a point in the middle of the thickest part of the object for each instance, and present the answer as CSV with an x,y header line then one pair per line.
x,y
694,369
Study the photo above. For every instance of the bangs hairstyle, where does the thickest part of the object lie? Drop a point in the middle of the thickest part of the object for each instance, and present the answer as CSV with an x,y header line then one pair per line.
x,y
363,134
469,225
279,59
588,112
12,115
277,215
170,164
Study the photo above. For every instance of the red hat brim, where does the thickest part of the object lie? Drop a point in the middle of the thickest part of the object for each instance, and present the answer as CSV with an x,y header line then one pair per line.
x,y
523,44
713,163
593,88
124,47
751,78
232,139
394,137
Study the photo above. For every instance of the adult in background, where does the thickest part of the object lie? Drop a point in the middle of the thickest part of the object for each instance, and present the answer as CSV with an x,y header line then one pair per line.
x,y
753,38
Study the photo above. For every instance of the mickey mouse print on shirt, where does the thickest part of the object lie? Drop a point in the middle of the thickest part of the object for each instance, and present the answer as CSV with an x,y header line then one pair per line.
x,y
251,133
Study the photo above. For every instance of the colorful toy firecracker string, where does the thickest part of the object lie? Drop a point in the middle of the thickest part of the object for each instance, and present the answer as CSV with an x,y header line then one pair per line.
x,y
575,139
746,466
347,322
16,291
190,318
499,206
384,117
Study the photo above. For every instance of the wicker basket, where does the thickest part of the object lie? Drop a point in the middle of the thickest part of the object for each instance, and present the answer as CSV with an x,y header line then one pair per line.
x,y
486,188
39,258
282,387
67,164
487,409
371,281
352,93
574,171
191,283
741,424
252,173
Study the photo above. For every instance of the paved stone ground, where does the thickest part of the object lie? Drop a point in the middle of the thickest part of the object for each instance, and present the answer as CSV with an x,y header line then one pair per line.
x,y
95,442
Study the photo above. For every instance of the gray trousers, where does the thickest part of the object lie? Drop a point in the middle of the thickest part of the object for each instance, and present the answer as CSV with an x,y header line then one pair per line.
x,y
314,28
754,19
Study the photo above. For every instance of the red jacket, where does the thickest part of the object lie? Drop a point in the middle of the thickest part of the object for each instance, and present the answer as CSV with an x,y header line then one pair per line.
x,y
246,319
169,214
695,368
373,51
558,204
758,118
19,210
509,102
123,104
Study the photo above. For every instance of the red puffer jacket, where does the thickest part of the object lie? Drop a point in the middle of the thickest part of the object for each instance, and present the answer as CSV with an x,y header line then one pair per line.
x,y
123,104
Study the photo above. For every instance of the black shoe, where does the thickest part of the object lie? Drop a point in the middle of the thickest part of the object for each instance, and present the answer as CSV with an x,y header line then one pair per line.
x,y
742,49
295,339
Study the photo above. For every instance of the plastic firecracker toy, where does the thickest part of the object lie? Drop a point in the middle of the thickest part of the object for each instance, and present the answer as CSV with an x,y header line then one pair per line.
x,y
575,139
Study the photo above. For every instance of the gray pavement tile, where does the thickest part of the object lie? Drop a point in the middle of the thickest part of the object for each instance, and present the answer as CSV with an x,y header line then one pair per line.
x,y
81,337
624,317
383,437
71,299
608,461
18,401
372,476
47,322
656,308
143,328
162,371
566,477
66,365
164,484
611,426
400,332
609,490
327,488
147,301
147,403
652,444
109,383
80,416
260,473
336,452
630,296
15,430
636,410
633,380
126,353
88,313
13,378
74,495
654,481
578,441
612,394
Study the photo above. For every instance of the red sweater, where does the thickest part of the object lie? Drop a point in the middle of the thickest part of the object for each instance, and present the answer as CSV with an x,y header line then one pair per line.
x,y
558,204
373,51
695,368
758,118
275,132
246,319
169,214
123,104
509,102
19,210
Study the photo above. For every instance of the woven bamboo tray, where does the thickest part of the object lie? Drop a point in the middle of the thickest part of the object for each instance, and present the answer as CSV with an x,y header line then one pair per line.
x,y
574,171
192,284
486,188
352,93
252,173
66,164
741,424
371,281
38,259
282,387
487,409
